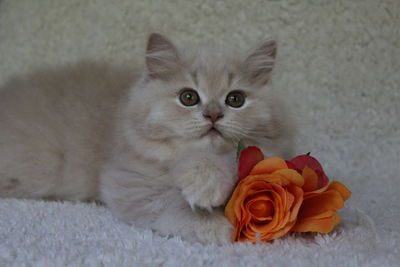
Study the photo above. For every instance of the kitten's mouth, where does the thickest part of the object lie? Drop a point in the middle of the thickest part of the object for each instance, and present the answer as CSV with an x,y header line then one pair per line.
x,y
213,132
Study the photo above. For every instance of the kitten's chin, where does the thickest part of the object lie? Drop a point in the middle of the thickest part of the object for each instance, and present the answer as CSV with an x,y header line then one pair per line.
x,y
215,141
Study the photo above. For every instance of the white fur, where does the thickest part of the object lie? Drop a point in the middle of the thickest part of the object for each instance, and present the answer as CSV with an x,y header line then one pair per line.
x,y
157,165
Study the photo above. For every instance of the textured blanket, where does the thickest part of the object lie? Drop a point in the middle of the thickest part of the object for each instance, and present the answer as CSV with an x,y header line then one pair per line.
x,y
338,62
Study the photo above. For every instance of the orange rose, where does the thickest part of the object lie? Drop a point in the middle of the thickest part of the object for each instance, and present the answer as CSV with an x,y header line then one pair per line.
x,y
265,204
318,211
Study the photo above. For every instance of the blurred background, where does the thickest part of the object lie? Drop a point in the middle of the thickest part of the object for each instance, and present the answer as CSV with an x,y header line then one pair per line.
x,y
338,62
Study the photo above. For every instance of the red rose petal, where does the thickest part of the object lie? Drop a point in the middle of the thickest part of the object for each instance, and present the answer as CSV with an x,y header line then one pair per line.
x,y
300,162
249,157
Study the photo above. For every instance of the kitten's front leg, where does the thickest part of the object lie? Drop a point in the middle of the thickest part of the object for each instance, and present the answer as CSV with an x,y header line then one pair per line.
x,y
148,202
178,219
206,181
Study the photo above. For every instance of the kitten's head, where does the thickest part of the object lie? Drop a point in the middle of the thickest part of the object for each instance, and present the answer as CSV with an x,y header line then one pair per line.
x,y
202,98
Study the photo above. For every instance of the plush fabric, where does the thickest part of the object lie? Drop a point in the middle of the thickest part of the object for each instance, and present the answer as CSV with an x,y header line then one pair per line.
x,y
338,61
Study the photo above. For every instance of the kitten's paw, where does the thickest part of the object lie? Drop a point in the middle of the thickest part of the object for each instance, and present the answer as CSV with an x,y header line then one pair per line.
x,y
208,228
178,219
217,230
206,185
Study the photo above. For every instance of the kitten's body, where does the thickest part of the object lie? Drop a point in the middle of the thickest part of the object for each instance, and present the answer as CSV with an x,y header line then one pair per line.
x,y
98,132
55,130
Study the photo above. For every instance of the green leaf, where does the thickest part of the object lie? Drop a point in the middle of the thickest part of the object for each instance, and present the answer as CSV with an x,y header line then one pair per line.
x,y
240,147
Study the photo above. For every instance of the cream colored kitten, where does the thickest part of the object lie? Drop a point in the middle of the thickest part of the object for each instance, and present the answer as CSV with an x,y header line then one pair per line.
x,y
157,146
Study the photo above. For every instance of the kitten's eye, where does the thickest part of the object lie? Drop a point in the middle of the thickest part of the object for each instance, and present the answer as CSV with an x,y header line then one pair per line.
x,y
235,99
189,97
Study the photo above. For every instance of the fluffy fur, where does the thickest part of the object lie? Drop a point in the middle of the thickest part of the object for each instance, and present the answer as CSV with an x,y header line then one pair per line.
x,y
122,136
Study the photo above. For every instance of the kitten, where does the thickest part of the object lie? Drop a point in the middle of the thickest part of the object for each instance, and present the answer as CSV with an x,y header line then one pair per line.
x,y
157,146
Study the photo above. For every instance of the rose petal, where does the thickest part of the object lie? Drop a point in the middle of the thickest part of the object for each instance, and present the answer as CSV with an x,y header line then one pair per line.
x,y
249,157
290,165
284,230
292,176
277,193
268,165
248,234
322,215
230,206
300,162
310,179
329,200
297,192
306,161
242,213
323,225
315,192
269,178
323,180
341,188
237,232
261,207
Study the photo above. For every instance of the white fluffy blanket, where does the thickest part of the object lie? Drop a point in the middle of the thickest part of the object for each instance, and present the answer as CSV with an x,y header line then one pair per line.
x,y
339,61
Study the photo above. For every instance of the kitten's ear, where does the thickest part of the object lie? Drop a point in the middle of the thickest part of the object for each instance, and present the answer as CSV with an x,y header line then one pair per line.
x,y
260,63
161,56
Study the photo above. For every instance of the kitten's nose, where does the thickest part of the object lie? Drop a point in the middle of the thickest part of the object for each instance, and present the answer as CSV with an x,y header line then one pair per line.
x,y
213,116
213,112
